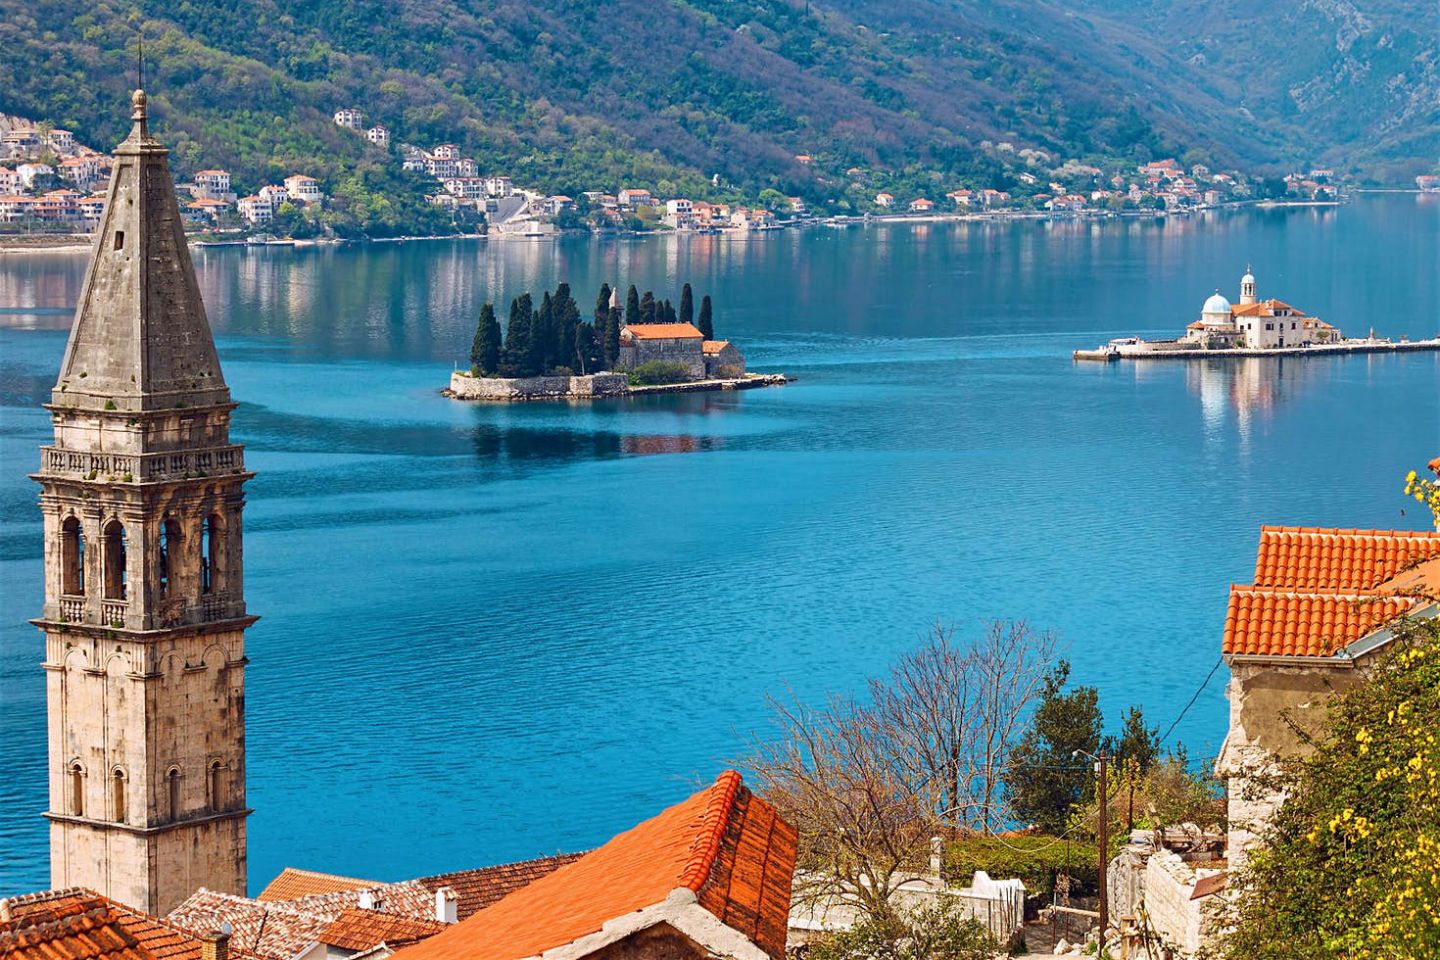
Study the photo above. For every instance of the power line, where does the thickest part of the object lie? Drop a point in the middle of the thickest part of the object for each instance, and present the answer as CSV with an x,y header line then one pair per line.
x,y
1170,729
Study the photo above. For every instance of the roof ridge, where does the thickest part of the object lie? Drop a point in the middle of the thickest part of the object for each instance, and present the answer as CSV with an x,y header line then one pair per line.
x,y
1349,532
494,866
713,820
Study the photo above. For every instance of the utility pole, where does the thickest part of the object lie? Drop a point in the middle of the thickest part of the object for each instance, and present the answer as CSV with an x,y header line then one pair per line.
x,y
1100,764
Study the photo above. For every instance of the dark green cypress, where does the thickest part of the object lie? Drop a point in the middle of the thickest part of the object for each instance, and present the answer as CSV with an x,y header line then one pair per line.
x,y
602,306
632,306
517,336
669,312
485,351
687,305
612,339
707,323
567,320
647,308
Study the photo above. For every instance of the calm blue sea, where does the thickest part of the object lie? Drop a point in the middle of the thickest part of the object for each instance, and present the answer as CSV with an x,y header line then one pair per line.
x,y
495,632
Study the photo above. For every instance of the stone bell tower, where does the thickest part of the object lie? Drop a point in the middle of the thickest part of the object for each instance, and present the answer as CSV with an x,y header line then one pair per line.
x,y
144,615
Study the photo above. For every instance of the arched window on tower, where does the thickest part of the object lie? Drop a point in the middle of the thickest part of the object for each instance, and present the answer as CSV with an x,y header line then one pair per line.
x,y
170,547
117,803
172,793
72,557
214,787
77,789
116,577
210,536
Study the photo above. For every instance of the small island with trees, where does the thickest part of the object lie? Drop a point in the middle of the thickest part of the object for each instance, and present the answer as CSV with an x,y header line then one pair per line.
x,y
646,345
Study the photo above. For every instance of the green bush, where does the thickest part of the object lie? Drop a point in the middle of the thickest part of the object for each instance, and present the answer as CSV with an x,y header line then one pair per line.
x,y
659,371
1034,858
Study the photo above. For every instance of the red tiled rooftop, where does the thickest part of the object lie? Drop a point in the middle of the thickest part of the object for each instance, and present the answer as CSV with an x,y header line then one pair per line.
x,y
1310,558
477,889
723,844
94,934
292,883
1280,623
162,939
358,929
664,331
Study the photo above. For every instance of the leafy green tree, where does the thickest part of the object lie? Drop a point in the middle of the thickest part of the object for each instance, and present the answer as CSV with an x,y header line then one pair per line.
x,y
707,323
632,306
1046,779
1347,868
939,930
687,304
485,350
1138,747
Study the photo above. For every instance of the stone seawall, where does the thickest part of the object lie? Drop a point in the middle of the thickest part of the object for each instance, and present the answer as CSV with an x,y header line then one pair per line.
x,y
465,387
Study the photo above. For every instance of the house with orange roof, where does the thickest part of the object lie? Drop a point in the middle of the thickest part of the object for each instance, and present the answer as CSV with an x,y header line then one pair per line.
x,y
708,877
53,923
723,360
1315,620
680,343
1256,324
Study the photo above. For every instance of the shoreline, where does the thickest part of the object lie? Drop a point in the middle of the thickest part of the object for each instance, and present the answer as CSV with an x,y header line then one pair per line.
x,y
543,389
1105,355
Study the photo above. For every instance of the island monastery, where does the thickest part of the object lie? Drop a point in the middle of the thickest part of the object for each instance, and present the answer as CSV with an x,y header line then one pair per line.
x,y
1256,324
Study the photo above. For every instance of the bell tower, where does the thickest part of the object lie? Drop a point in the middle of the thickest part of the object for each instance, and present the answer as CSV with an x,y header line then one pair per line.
x,y
144,616
1247,287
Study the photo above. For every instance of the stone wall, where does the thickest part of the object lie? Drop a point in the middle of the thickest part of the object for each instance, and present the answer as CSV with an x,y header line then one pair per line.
x,y
466,387
685,351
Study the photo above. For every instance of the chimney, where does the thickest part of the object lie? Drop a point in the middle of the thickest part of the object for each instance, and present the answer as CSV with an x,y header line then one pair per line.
x,y
367,900
215,946
5,910
446,905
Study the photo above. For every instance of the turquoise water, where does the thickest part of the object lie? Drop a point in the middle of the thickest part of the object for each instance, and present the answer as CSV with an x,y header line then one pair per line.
x,y
496,632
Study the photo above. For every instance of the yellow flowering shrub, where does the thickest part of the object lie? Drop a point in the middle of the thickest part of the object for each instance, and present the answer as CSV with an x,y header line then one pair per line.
x,y
1424,491
1351,867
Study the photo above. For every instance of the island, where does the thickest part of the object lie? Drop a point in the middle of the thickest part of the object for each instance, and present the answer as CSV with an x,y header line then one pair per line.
x,y
1251,328
647,346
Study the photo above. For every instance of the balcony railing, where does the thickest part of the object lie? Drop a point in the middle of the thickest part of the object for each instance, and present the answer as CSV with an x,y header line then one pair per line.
x,y
112,612
72,609
150,466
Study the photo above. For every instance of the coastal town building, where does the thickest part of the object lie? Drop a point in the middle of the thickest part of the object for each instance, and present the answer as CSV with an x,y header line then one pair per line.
x,y
1255,324
632,197
678,343
256,211
352,118
144,612
212,185
304,189
723,360
378,135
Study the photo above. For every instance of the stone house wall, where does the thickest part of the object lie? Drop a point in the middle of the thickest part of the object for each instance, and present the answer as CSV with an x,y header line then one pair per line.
x,y
686,351
726,364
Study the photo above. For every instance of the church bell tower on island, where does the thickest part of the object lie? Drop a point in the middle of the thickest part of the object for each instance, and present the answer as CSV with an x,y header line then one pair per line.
x,y
144,616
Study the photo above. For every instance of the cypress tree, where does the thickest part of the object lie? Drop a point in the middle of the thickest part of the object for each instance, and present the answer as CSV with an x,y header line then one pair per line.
x,y
612,339
544,335
632,306
485,351
669,311
707,324
517,336
647,308
539,345
687,305
602,306
587,348
567,322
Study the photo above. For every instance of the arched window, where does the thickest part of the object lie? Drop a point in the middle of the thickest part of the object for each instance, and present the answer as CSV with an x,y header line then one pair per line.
x,y
117,780
215,799
72,557
172,793
170,539
210,535
77,789
116,578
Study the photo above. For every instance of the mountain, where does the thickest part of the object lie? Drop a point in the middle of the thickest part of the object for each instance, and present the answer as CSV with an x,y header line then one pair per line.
x,y
572,95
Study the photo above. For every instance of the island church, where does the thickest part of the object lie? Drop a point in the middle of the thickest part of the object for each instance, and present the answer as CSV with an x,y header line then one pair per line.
x,y
1255,324
144,615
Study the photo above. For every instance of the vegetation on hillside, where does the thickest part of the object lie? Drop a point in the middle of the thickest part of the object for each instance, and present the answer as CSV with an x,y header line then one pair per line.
x,y
712,99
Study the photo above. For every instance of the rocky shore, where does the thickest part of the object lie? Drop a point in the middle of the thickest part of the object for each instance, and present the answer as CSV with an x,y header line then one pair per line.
x,y
464,386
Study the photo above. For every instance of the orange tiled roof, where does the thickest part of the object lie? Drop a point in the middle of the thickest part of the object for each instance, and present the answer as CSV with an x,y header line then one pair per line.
x,y
293,883
714,346
1281,623
1265,308
358,929
724,844
664,331
94,934
477,889
162,939
1310,558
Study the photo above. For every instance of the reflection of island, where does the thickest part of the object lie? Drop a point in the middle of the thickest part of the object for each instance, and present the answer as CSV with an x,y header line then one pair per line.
x,y
650,444
533,445
1254,387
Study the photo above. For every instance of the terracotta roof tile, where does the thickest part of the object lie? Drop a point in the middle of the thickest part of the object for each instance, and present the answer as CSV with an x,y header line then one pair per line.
x,y
1317,559
163,939
293,883
723,843
358,929
1280,623
477,889
94,934
664,331
714,346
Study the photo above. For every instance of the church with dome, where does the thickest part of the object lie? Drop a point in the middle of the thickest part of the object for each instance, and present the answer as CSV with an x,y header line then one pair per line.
x,y
1255,324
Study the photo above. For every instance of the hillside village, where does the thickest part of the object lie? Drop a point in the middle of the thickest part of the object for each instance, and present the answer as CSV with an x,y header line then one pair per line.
x,y
51,183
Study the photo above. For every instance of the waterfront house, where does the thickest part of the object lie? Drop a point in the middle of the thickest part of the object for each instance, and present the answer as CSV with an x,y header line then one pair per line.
x,y
632,197
921,205
208,208
255,210
722,360
680,343
212,185
884,200
1312,623
304,189
679,213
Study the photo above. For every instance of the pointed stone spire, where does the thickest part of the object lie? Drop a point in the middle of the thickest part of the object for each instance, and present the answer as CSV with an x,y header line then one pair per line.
x,y
140,339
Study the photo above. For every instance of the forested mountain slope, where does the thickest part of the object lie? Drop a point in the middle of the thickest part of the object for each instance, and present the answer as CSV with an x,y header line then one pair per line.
x,y
572,95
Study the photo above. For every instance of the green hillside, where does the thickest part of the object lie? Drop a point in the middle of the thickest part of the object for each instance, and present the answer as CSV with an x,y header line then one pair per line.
x,y
573,95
